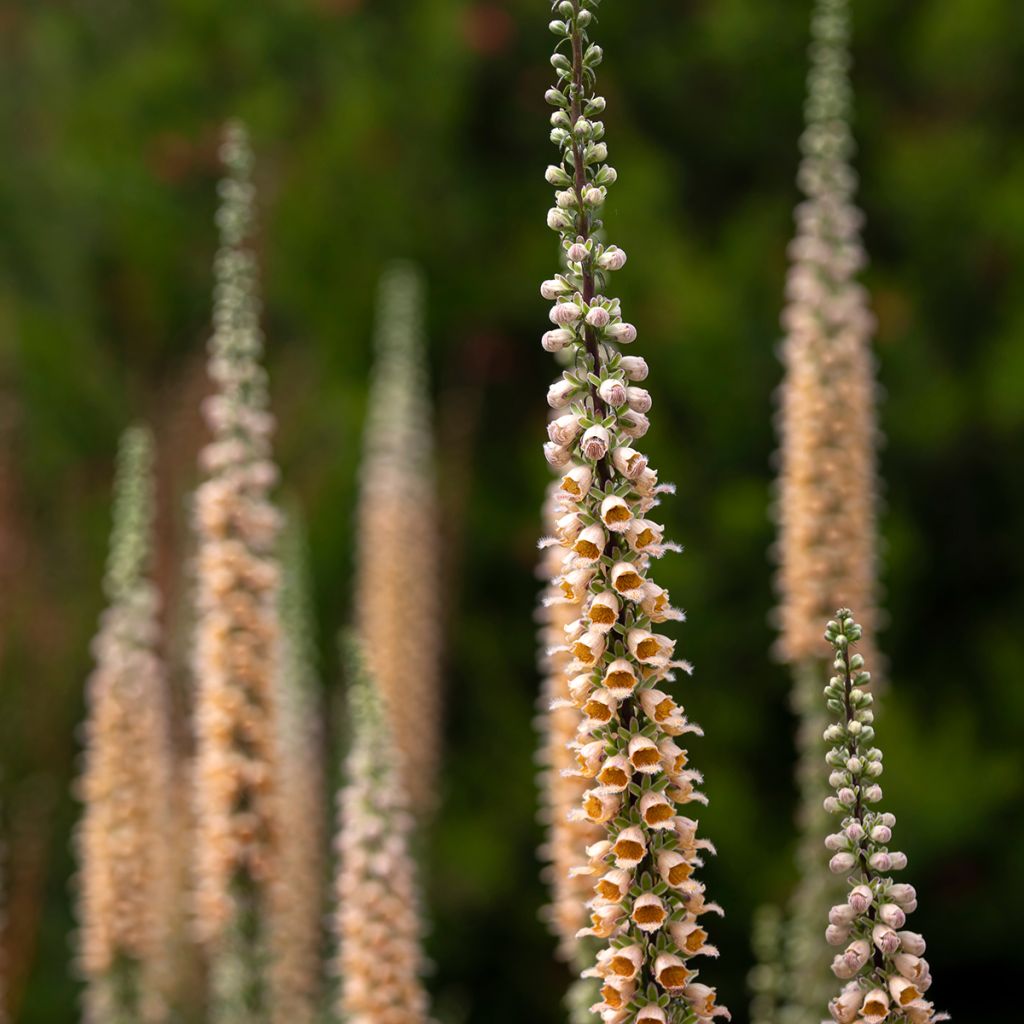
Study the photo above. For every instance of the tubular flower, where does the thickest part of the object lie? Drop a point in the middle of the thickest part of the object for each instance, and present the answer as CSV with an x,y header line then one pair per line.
x,y
124,836
880,961
644,899
828,434
377,918
237,630
300,900
566,773
397,556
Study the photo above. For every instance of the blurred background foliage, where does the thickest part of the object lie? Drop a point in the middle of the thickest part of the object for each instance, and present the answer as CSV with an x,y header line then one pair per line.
x,y
397,128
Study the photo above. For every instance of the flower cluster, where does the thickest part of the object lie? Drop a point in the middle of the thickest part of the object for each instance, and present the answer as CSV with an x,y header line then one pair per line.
x,y
124,836
881,962
297,922
646,905
236,647
398,558
828,434
562,788
377,921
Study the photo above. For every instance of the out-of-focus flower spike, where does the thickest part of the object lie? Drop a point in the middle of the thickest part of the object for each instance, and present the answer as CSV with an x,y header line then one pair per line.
x,y
377,920
125,908
398,610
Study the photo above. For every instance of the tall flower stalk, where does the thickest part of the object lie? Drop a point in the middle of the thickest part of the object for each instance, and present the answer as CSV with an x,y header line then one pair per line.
x,y
301,894
398,559
237,632
881,962
377,922
123,839
826,489
646,906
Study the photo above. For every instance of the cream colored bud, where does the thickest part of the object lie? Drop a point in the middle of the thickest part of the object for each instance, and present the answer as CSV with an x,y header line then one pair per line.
x,y
557,455
577,252
597,317
559,220
560,393
885,939
552,289
623,333
564,429
565,313
555,341
613,258
639,399
912,942
634,425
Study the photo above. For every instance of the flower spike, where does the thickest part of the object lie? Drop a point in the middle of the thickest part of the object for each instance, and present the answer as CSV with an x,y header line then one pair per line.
x,y
879,959
645,904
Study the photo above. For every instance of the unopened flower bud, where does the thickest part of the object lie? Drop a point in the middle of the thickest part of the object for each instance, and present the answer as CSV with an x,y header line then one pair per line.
x,y
841,914
841,862
860,899
912,942
593,196
550,290
595,443
560,392
897,861
634,367
854,831
873,794
597,317
892,915
557,455
634,425
881,834
613,258
836,841
847,797
558,220
565,199
612,392
564,429
556,176
577,252
836,934
885,939
880,861
639,399
565,313
623,333
902,893
555,341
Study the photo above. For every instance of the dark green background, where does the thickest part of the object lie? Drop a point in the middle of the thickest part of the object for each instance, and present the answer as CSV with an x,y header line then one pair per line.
x,y
395,128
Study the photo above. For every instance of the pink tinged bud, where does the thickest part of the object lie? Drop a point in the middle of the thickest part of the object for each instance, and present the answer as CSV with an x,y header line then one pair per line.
x,y
847,797
565,313
902,893
860,899
634,367
841,863
556,175
831,805
557,455
648,912
560,393
888,819
593,196
590,544
559,220
875,1007
577,252
880,861
613,258
892,915
564,429
837,779
623,333
628,463
635,425
881,834
842,968
873,793
854,831
639,399
555,341
912,942
836,841
551,289
897,861
612,392
842,914
854,765
836,935
595,443
885,939
576,483
858,953
616,514
565,200
597,317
